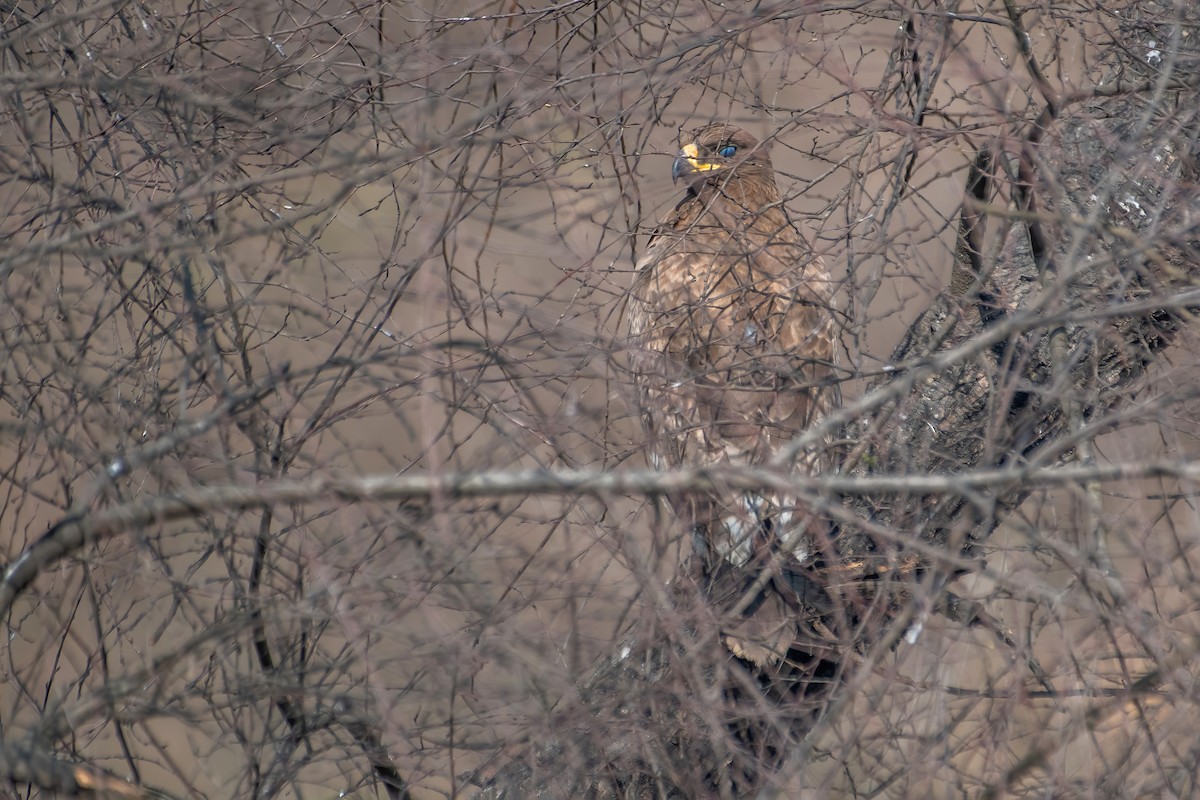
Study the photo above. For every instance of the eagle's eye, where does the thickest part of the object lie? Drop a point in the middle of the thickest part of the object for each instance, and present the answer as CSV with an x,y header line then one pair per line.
x,y
727,151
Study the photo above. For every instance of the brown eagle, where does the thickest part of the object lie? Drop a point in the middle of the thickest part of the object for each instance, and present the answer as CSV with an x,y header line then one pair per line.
x,y
733,335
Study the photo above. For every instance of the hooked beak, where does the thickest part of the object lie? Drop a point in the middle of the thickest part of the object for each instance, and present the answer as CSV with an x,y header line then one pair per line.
x,y
688,161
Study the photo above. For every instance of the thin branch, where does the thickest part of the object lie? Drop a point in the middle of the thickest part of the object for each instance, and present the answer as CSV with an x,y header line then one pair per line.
x,y
75,531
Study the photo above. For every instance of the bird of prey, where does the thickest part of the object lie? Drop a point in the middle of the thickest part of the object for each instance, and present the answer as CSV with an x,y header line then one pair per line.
x,y
732,335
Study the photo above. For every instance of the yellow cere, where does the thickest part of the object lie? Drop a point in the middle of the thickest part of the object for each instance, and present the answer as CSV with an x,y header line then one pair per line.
x,y
692,154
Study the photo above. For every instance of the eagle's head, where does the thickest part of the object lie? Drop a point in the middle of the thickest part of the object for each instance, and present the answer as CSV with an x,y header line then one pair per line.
x,y
721,153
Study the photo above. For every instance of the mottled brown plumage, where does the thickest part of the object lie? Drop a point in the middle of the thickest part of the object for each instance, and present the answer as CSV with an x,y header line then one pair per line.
x,y
733,340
